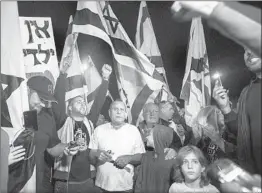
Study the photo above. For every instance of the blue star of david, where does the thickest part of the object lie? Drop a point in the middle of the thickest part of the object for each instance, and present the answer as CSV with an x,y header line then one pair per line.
x,y
13,83
112,21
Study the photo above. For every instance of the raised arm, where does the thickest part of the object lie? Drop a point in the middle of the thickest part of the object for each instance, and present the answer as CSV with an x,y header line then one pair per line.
x,y
231,23
101,94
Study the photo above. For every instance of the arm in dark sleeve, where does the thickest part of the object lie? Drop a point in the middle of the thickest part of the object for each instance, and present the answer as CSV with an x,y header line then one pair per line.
x,y
59,108
98,102
238,26
231,122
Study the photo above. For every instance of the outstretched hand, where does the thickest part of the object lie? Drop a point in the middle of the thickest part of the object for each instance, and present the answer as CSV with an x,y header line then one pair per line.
x,y
186,10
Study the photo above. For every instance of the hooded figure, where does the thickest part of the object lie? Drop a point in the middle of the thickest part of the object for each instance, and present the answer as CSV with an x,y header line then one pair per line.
x,y
154,174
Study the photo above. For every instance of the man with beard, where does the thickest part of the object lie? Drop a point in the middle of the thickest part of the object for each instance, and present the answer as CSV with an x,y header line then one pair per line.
x,y
74,174
246,123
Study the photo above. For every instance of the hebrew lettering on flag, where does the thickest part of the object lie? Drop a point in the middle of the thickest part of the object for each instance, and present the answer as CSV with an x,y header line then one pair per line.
x,y
14,99
39,49
136,74
196,88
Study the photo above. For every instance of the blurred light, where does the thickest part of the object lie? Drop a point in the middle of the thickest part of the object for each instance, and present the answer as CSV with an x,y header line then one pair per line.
x,y
216,76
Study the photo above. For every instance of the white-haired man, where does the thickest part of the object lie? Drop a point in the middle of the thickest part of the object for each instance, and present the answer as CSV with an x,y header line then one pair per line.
x,y
117,147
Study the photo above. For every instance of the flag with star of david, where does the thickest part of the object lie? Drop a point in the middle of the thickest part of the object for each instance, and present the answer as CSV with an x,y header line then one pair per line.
x,y
14,99
138,80
196,88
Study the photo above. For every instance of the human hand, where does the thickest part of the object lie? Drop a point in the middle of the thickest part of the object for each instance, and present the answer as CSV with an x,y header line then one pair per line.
x,y
71,149
229,187
171,153
16,154
221,96
186,10
104,156
106,71
122,161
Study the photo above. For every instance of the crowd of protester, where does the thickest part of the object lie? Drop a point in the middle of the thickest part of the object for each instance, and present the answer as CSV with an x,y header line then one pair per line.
x,y
79,151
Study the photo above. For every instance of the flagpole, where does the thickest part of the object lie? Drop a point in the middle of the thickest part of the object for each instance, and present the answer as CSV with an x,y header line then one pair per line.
x,y
203,89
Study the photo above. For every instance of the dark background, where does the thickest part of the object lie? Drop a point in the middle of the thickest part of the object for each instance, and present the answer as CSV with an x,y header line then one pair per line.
x,y
224,55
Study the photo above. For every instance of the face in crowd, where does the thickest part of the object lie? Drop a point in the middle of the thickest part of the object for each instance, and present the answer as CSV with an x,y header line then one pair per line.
x,y
180,129
151,113
166,111
117,112
35,102
253,63
191,168
78,107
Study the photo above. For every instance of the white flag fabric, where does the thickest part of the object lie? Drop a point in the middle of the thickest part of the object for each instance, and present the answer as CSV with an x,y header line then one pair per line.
x,y
83,77
136,74
196,88
39,49
14,96
146,40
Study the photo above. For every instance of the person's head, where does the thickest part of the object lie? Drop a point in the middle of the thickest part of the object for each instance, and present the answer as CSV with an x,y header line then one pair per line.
x,y
151,113
191,166
40,93
166,110
77,107
159,138
253,63
118,112
180,129
209,119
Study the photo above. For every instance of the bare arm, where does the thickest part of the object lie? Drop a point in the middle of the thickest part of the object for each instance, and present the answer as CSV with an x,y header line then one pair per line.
x,y
231,23
57,150
238,27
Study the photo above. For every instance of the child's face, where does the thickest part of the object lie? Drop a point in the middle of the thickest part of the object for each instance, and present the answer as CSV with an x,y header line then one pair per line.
x,y
191,168
150,140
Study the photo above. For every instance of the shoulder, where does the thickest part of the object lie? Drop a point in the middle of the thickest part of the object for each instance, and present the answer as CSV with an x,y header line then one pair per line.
x,y
176,187
211,189
162,126
102,127
131,128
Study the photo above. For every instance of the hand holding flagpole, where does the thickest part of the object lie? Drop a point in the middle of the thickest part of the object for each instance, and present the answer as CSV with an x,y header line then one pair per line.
x,y
67,61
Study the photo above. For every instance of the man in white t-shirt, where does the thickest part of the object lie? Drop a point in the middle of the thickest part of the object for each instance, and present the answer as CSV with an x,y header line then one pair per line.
x,y
117,146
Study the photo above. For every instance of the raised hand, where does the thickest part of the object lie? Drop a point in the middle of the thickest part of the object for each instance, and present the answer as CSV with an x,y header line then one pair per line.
x,y
106,71
186,10
221,96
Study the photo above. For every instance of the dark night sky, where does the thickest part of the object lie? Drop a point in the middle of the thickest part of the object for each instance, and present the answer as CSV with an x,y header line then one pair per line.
x,y
224,55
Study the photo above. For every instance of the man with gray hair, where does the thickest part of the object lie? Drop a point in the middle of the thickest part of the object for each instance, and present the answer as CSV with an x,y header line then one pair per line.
x,y
117,147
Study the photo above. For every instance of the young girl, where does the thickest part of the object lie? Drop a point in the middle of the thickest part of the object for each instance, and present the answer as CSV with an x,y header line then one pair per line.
x,y
190,176
154,174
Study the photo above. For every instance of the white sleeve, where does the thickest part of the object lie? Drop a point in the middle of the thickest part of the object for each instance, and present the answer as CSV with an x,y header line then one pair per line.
x,y
139,146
